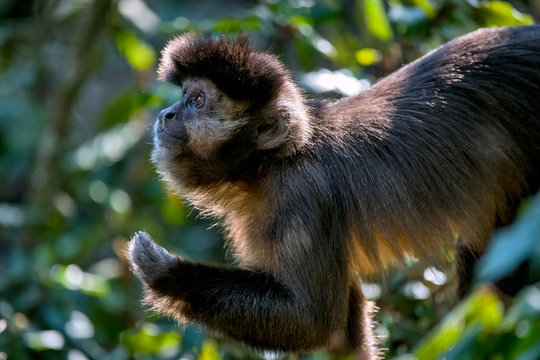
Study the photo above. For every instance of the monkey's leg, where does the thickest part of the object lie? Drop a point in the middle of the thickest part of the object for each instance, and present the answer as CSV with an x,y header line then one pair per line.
x,y
360,325
466,260
250,306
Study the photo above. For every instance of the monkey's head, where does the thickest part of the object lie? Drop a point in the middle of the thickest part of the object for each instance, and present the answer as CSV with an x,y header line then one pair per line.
x,y
238,105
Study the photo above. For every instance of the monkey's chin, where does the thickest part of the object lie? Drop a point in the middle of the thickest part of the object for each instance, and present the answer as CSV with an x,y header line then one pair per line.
x,y
168,145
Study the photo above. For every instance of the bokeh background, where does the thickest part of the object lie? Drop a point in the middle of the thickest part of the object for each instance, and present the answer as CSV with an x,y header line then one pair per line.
x,y
78,94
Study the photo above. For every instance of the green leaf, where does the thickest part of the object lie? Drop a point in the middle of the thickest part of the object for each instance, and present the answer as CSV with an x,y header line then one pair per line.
x,y
148,340
366,57
531,354
519,240
139,54
376,19
500,13
485,308
121,108
174,211
230,25
427,7
437,343
464,347
44,340
526,306
209,351
73,278
481,312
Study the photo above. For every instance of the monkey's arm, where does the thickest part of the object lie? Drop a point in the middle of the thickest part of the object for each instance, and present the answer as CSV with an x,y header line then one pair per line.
x,y
248,305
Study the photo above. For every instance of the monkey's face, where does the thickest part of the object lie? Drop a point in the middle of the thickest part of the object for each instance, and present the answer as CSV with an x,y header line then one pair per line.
x,y
199,123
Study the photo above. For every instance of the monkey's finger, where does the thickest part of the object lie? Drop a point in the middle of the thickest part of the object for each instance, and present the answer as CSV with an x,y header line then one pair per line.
x,y
148,260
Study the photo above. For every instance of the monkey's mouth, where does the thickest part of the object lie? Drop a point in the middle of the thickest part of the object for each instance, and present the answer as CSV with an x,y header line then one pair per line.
x,y
170,139
164,133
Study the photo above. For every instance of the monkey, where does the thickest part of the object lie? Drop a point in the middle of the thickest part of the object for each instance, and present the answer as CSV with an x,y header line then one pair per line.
x,y
316,195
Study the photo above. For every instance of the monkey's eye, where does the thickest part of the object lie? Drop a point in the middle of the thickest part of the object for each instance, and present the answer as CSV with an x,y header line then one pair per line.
x,y
198,101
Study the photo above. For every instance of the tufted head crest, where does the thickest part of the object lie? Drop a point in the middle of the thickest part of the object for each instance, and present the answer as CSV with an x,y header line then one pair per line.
x,y
230,63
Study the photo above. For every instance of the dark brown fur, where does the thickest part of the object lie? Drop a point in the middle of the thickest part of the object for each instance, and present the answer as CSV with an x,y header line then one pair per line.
x,y
315,196
232,65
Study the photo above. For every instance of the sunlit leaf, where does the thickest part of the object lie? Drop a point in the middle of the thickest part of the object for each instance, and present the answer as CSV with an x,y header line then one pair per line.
x,y
108,147
209,351
72,277
44,340
481,312
366,57
376,20
149,340
437,343
485,308
139,54
501,13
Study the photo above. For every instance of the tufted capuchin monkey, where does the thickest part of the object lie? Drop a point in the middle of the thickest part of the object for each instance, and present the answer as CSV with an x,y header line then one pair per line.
x,y
315,195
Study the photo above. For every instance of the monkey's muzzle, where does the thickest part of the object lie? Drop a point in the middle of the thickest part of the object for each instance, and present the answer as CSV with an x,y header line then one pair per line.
x,y
170,130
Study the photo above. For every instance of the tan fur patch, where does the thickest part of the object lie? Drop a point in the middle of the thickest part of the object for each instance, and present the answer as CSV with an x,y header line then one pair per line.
x,y
293,127
217,123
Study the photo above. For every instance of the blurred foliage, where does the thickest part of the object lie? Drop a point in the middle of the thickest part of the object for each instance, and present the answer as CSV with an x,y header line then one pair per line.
x,y
77,97
480,328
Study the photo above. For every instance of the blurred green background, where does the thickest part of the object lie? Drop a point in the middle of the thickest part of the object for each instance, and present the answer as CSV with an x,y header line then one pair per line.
x,y
78,94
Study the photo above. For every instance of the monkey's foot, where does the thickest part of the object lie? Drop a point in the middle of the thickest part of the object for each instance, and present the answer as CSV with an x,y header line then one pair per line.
x,y
148,260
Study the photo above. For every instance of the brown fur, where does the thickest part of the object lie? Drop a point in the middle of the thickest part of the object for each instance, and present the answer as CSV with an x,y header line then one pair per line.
x,y
315,195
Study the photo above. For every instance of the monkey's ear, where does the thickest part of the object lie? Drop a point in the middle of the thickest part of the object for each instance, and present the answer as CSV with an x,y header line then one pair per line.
x,y
277,132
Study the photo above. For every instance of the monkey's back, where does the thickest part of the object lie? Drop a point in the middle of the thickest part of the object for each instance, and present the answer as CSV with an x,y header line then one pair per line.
x,y
448,145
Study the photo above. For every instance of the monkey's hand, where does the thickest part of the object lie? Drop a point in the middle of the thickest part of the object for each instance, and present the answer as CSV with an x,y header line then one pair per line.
x,y
148,260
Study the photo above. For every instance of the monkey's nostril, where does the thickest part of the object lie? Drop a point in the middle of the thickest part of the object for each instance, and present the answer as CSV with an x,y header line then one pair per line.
x,y
166,115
